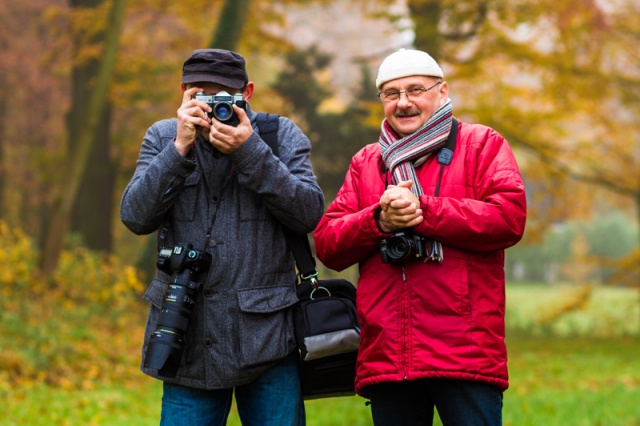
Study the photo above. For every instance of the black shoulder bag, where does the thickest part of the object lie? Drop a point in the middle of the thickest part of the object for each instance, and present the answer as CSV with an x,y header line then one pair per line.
x,y
327,329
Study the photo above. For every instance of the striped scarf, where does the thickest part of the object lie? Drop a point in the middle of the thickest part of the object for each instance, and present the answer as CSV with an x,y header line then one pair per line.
x,y
399,155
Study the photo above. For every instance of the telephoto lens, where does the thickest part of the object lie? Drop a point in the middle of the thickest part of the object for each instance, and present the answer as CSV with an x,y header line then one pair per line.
x,y
167,342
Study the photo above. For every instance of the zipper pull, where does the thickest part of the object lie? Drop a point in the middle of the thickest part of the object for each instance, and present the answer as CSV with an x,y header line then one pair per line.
x,y
404,275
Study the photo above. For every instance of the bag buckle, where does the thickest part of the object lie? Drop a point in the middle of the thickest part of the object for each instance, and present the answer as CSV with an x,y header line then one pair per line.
x,y
313,277
313,280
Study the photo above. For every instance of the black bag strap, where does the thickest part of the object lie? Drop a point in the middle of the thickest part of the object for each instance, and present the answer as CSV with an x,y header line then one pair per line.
x,y
298,244
301,249
268,129
446,152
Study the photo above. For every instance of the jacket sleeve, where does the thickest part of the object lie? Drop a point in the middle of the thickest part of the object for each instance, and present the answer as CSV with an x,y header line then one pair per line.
x,y
286,183
493,218
348,233
160,174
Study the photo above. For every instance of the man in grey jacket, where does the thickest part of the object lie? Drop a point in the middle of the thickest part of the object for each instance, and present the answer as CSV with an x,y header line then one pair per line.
x,y
215,190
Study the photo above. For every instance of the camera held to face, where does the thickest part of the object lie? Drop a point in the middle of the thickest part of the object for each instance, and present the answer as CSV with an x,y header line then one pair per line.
x,y
167,342
221,104
402,246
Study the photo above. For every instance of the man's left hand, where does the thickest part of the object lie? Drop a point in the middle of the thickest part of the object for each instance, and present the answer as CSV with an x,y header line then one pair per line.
x,y
228,138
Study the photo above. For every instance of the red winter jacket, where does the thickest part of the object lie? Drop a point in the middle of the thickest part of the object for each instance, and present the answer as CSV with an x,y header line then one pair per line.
x,y
432,320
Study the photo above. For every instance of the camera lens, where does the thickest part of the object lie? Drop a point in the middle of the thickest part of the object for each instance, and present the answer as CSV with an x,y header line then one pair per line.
x,y
167,342
398,248
222,111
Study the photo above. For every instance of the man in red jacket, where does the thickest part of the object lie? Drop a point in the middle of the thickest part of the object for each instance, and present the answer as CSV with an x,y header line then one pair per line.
x,y
427,213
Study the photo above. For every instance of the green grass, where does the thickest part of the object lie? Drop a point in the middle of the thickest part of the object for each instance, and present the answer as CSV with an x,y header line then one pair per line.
x,y
554,381
609,311
573,381
104,405
559,376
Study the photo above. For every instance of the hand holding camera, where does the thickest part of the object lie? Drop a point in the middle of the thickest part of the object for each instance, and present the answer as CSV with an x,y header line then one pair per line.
x,y
230,126
191,120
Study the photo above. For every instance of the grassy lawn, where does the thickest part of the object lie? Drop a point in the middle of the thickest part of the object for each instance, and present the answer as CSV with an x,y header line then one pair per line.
x,y
560,375
554,381
573,381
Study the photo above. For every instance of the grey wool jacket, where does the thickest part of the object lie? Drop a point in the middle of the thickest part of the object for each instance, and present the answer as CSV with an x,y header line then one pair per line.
x,y
233,207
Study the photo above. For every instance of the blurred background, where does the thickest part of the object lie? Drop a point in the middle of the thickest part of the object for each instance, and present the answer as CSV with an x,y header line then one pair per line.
x,y
82,80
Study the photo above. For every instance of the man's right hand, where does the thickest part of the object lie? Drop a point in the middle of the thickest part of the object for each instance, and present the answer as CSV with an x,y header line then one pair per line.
x,y
192,119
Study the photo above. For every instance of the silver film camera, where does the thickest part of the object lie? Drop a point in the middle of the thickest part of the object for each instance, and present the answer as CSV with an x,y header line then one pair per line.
x,y
222,105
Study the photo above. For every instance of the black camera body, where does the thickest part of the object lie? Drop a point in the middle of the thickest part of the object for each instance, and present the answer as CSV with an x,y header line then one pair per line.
x,y
402,246
166,343
221,104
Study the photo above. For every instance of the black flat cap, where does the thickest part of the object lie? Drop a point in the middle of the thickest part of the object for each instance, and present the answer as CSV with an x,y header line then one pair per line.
x,y
216,66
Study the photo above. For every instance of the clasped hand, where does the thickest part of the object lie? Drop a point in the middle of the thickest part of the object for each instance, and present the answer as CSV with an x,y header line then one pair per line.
x,y
193,120
400,208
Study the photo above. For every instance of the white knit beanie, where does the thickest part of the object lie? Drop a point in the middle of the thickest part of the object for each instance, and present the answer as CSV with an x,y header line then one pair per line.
x,y
404,63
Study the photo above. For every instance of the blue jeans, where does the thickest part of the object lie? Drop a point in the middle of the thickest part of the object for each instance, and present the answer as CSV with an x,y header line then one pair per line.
x,y
274,399
459,403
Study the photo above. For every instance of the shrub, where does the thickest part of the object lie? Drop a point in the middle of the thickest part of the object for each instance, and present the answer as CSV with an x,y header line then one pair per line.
x,y
82,324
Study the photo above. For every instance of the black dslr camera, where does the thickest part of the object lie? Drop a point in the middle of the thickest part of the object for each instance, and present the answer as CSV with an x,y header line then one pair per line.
x,y
222,105
402,246
166,344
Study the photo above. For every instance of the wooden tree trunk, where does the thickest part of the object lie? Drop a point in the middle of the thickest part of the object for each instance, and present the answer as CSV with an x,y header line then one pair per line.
x,y
77,160
425,15
4,122
230,25
3,119
92,214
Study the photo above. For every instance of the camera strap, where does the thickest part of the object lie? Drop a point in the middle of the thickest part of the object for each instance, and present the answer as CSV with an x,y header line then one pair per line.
x,y
445,155
162,236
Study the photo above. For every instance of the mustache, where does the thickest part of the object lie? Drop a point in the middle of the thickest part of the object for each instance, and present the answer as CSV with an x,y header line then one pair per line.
x,y
407,112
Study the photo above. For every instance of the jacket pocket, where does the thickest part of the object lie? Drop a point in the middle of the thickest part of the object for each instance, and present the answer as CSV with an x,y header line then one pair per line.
x,y
185,204
265,326
154,295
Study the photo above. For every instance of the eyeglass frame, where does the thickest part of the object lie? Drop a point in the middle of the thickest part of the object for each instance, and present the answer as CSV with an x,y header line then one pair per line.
x,y
423,90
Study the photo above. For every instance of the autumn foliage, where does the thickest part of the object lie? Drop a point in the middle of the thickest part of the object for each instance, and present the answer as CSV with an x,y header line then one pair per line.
x,y
560,80
80,326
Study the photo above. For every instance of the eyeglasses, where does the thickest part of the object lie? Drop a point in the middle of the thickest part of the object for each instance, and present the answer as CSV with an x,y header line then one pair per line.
x,y
412,93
